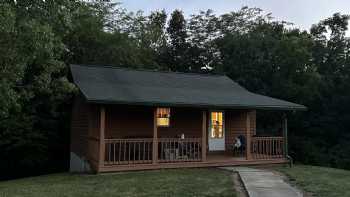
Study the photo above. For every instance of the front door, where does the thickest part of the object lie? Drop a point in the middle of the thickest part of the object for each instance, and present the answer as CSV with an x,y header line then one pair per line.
x,y
216,137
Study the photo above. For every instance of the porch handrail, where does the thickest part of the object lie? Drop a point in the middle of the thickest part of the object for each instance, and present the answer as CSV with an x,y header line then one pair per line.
x,y
127,139
268,137
179,139
267,147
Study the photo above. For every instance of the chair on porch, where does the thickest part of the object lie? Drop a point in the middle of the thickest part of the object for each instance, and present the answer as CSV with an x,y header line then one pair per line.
x,y
239,146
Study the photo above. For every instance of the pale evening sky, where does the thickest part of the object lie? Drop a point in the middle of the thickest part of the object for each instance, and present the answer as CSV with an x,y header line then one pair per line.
x,y
303,13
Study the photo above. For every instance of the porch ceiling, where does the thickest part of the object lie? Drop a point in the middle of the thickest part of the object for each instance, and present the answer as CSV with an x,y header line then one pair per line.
x,y
103,84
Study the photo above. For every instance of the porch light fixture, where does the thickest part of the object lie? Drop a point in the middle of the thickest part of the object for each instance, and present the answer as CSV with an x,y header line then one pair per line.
x,y
163,117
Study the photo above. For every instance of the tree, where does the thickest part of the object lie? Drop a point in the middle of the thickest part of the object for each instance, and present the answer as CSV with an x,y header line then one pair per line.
x,y
130,43
330,116
176,56
203,31
33,78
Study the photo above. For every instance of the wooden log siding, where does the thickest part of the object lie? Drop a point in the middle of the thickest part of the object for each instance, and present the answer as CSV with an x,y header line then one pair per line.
x,y
102,136
128,151
235,125
85,132
267,147
179,150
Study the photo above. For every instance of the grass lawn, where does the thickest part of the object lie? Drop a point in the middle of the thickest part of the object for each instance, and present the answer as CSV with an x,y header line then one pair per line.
x,y
179,182
320,181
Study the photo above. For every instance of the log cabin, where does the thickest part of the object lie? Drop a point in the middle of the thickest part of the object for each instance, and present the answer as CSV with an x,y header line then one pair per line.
x,y
125,119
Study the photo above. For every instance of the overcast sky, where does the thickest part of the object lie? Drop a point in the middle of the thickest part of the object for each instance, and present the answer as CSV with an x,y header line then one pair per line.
x,y
303,13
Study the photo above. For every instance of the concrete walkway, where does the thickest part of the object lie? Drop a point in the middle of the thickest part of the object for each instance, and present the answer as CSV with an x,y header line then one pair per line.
x,y
263,183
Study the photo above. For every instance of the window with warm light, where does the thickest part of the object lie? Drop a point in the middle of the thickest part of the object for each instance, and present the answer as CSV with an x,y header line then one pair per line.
x,y
216,125
163,117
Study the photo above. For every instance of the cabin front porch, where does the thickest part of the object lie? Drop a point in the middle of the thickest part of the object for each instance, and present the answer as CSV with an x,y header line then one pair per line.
x,y
132,138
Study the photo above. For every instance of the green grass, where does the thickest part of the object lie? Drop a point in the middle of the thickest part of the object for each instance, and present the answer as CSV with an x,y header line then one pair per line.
x,y
320,181
180,182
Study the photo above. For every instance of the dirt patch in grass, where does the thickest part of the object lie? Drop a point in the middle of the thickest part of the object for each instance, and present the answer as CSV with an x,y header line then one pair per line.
x,y
238,185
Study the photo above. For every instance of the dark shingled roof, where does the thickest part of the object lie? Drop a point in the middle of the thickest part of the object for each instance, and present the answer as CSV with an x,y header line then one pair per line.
x,y
103,84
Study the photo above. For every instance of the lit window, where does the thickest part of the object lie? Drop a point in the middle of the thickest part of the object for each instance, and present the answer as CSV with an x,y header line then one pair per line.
x,y
163,117
216,125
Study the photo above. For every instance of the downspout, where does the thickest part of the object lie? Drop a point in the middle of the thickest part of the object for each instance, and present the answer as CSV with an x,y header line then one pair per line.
x,y
285,135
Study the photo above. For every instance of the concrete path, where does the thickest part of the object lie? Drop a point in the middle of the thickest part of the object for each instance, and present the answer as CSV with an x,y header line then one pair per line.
x,y
263,183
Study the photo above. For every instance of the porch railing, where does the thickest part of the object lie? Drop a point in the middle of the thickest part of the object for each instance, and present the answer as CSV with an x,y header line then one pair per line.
x,y
267,147
128,151
170,150
139,151
179,150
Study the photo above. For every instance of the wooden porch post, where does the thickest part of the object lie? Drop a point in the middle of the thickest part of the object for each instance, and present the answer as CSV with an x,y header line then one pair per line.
x,y
155,138
285,135
248,137
204,135
102,136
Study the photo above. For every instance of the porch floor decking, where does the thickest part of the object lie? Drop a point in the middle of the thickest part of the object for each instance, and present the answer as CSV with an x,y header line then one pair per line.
x,y
213,160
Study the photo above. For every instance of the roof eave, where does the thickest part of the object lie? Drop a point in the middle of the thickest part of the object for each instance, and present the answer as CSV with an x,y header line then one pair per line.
x,y
199,105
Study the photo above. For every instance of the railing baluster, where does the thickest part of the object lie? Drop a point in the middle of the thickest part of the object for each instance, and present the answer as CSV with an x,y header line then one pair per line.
x,y
260,148
269,149
119,150
143,151
174,150
265,152
148,150
162,150
199,153
184,150
108,153
196,152
113,152
273,148
134,147
139,159
124,151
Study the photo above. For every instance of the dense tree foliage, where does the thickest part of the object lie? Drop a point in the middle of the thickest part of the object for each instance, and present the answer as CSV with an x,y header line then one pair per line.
x,y
39,39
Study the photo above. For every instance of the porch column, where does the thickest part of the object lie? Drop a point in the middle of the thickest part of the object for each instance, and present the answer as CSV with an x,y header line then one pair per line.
x,y
204,135
248,137
155,138
102,137
285,135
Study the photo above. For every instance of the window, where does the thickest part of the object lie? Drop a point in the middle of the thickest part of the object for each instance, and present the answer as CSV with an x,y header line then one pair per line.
x,y
216,125
163,117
